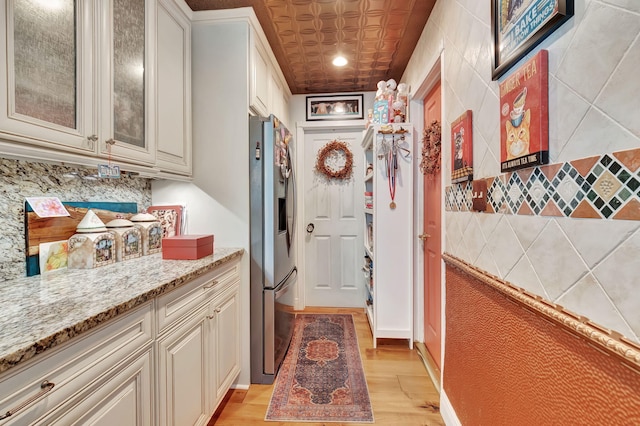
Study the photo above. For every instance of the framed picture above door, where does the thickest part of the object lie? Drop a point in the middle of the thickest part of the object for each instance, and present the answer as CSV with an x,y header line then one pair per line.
x,y
335,107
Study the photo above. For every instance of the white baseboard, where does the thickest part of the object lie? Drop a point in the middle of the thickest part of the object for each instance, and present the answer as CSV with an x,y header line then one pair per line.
x,y
240,387
447,412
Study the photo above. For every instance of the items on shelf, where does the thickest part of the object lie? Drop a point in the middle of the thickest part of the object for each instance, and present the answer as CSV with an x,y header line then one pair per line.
x,y
387,287
368,200
390,106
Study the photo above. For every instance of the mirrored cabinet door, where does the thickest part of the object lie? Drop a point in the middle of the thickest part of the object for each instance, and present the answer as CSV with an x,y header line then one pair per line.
x,y
47,73
127,56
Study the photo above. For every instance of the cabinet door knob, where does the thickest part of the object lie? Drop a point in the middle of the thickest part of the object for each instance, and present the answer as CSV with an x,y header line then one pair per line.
x,y
423,237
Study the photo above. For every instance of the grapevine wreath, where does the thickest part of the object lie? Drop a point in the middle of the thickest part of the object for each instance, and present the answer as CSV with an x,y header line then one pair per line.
x,y
431,147
328,154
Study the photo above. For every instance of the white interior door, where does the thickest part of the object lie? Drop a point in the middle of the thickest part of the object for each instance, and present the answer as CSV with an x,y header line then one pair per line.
x,y
334,248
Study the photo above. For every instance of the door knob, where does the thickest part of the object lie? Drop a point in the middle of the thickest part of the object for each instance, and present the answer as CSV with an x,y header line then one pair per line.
x,y
423,237
310,228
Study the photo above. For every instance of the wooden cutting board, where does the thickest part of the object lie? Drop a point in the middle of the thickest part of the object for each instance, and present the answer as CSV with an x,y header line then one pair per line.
x,y
48,229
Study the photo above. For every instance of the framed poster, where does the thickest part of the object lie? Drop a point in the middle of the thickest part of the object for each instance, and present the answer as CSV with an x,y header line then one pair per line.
x,y
335,107
462,148
524,115
520,25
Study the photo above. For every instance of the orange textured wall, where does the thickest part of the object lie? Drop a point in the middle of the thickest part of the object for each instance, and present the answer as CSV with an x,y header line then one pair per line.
x,y
506,365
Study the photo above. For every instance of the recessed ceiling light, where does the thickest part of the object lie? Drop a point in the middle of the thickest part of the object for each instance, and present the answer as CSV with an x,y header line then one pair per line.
x,y
339,61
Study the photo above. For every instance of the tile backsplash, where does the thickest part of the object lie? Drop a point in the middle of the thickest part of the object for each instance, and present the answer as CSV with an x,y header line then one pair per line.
x,y
601,187
21,179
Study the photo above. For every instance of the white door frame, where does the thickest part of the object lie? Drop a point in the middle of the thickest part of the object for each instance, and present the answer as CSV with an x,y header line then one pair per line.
x,y
301,128
435,73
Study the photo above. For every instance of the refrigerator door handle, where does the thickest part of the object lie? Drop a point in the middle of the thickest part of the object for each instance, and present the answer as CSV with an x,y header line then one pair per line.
x,y
286,284
295,200
291,180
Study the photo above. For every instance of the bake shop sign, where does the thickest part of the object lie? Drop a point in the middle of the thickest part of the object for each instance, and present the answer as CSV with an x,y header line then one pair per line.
x,y
524,115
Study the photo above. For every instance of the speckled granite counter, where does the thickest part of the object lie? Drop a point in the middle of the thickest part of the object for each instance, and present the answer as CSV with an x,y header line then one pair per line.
x,y
41,312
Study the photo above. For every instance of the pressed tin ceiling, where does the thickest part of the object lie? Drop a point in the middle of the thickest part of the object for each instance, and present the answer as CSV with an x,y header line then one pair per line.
x,y
376,36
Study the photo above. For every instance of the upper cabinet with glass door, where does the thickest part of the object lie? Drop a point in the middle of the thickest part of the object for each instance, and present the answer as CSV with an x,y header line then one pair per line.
x,y
46,77
77,76
127,60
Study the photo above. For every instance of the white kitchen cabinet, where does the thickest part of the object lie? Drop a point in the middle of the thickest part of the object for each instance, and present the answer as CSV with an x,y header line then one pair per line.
x,y
198,346
85,372
260,77
126,76
225,322
183,354
388,280
80,78
173,151
124,398
47,75
267,94
276,96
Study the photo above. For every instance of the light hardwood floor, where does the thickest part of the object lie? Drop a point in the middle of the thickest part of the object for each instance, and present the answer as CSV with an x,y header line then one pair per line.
x,y
400,389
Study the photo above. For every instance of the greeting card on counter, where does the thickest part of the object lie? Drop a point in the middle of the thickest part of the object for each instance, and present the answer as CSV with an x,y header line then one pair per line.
x,y
53,256
47,206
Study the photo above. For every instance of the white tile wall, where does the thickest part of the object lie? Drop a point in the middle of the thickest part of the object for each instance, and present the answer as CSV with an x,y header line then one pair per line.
x,y
587,265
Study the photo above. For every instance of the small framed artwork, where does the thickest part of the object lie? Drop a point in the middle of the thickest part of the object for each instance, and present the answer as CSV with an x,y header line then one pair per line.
x,y
462,148
524,115
335,107
520,25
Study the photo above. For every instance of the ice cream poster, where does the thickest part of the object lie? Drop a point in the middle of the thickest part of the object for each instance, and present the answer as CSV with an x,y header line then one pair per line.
x,y
462,148
524,115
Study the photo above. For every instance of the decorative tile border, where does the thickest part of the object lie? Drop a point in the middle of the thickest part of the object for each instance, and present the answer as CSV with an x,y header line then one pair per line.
x,y
602,187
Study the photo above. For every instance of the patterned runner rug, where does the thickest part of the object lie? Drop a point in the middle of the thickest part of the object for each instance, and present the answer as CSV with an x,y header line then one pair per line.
x,y
321,378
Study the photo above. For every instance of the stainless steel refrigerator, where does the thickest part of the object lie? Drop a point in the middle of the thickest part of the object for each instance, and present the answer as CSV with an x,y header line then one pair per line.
x,y
273,268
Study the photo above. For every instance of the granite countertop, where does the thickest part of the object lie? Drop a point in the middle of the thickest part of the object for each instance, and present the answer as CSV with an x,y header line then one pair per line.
x,y
38,313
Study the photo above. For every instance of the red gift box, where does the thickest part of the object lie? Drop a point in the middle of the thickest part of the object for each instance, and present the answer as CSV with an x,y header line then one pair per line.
x,y
187,247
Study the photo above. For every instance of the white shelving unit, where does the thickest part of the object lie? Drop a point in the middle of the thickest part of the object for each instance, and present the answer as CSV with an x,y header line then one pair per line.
x,y
388,278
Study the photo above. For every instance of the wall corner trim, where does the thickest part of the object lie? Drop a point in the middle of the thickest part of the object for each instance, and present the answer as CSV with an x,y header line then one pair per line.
x,y
447,412
608,341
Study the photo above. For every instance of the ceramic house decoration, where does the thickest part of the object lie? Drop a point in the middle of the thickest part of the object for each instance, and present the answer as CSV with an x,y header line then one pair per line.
x,y
92,246
151,231
128,239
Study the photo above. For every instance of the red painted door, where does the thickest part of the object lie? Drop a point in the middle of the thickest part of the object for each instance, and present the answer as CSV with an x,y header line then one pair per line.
x,y
431,240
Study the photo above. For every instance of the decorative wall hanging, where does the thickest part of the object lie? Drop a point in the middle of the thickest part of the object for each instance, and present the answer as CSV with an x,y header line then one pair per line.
x,y
462,148
520,25
335,107
524,115
335,161
431,149
479,195
391,145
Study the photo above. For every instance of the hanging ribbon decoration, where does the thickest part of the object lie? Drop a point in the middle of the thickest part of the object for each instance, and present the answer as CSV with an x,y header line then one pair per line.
x,y
392,171
389,151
